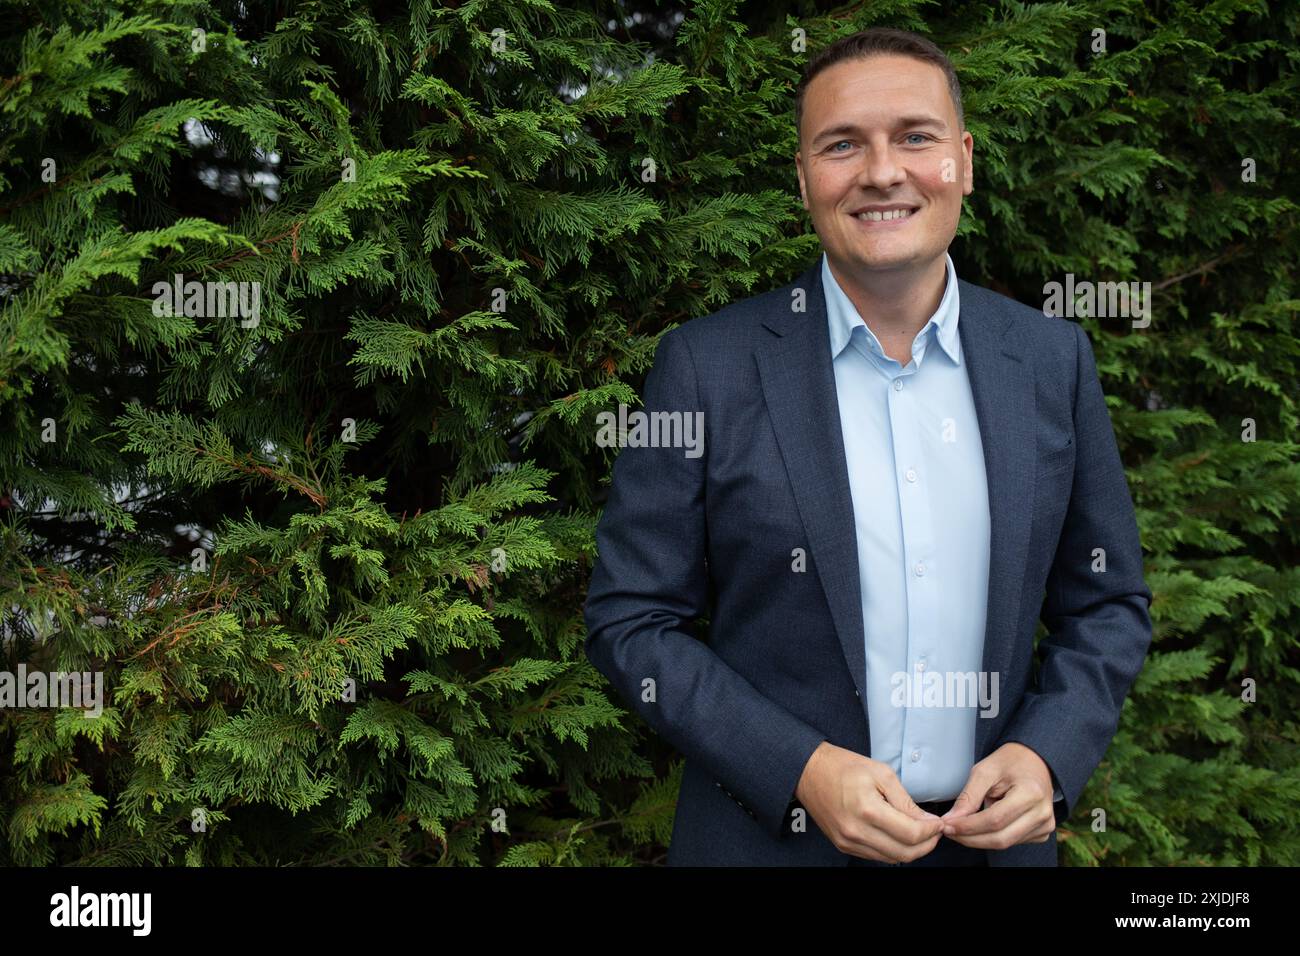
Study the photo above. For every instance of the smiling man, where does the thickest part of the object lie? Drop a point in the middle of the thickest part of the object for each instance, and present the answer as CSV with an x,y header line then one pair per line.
x,y
902,473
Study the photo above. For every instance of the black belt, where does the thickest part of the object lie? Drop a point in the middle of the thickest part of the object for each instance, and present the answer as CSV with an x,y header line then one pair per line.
x,y
938,808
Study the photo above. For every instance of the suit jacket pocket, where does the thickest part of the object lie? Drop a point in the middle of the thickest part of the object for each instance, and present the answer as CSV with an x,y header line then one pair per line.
x,y
1053,460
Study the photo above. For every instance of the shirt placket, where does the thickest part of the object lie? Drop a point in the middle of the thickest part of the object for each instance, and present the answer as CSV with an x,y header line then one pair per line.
x,y
919,555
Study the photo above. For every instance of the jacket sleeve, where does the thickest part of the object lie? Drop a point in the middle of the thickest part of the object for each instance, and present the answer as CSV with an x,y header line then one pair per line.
x,y
1097,621
649,585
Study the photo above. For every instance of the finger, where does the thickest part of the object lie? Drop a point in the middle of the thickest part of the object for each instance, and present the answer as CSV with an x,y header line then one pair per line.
x,y
982,778
1022,829
1018,800
1042,834
875,844
898,815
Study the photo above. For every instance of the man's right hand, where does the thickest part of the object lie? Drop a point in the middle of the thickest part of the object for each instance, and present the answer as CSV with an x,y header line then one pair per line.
x,y
861,806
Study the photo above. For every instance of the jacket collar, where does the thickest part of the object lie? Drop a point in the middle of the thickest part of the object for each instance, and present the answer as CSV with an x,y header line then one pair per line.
x,y
845,318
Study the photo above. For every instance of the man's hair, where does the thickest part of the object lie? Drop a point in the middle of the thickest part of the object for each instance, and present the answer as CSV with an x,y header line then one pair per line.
x,y
879,41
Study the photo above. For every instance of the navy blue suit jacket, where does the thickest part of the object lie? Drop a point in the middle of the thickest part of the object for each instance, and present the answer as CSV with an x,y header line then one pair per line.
x,y
783,665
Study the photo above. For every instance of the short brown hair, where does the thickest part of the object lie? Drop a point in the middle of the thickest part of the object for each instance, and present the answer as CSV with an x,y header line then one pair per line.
x,y
875,42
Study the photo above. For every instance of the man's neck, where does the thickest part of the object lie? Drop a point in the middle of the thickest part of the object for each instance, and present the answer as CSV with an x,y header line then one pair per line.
x,y
895,305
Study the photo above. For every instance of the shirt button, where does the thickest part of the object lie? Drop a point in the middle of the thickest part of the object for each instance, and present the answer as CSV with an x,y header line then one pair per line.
x,y
920,665
916,755
920,568
898,384
911,474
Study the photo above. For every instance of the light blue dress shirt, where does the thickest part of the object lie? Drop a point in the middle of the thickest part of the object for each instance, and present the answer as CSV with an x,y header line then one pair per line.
x,y
921,516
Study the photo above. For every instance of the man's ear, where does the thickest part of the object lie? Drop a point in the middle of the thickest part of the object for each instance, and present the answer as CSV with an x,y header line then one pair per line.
x,y
968,173
798,167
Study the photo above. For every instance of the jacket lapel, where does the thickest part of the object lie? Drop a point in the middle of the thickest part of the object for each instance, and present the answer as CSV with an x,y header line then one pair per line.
x,y
798,383
1002,383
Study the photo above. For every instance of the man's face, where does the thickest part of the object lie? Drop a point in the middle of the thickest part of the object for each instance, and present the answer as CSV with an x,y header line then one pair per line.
x,y
881,134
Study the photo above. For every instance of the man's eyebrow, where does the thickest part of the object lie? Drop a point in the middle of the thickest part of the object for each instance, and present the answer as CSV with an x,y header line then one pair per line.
x,y
851,129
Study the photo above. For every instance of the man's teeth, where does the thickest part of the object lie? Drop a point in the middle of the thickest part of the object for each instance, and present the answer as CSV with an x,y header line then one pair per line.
x,y
890,214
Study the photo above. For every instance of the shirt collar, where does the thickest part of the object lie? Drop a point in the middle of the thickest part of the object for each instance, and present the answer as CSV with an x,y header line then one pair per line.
x,y
844,318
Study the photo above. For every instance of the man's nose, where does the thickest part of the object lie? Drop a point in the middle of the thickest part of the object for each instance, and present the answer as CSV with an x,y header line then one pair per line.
x,y
880,168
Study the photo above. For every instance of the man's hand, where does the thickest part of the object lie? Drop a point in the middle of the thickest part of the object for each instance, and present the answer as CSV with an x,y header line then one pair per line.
x,y
1014,786
861,806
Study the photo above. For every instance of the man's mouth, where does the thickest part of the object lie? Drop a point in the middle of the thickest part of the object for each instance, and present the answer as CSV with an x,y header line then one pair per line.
x,y
885,215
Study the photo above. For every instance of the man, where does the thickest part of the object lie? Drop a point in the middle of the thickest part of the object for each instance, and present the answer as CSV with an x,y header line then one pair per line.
x,y
900,473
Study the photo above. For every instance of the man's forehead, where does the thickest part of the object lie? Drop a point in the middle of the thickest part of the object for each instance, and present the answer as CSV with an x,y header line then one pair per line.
x,y
892,119
881,89
883,73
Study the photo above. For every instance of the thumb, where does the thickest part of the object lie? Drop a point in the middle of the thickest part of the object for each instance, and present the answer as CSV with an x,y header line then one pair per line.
x,y
972,796
896,795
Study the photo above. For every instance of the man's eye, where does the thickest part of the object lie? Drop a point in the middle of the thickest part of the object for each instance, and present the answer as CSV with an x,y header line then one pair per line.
x,y
923,138
840,143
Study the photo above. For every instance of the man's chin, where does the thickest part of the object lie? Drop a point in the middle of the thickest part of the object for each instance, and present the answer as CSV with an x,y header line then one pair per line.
x,y
885,261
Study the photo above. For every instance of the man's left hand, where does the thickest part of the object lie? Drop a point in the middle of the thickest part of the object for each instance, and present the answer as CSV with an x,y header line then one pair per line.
x,y
1014,788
